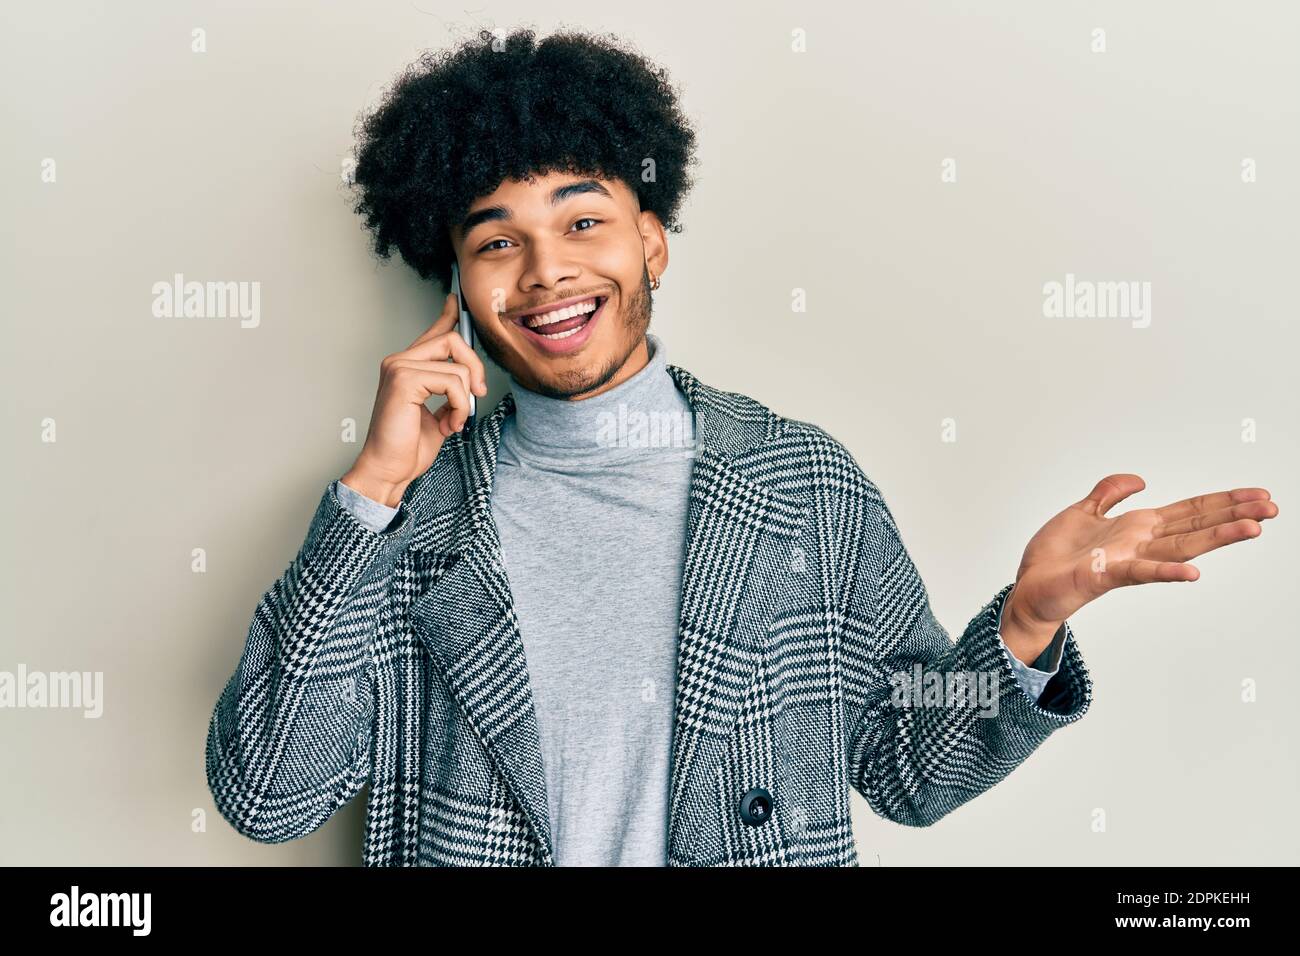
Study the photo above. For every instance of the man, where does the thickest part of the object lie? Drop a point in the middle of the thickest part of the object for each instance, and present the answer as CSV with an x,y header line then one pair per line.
x,y
626,618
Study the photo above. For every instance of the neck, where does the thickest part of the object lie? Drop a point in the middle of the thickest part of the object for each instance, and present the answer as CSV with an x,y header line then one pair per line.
x,y
592,424
636,361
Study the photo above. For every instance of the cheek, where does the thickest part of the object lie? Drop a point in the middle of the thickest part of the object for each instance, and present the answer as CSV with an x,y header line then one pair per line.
x,y
618,262
487,300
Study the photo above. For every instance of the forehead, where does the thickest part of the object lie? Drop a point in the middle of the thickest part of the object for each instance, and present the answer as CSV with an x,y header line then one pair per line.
x,y
514,200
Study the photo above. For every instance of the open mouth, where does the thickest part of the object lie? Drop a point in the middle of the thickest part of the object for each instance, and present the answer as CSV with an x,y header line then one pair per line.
x,y
560,324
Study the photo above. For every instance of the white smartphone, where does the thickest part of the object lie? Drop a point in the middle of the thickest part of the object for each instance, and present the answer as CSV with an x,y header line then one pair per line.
x,y
466,328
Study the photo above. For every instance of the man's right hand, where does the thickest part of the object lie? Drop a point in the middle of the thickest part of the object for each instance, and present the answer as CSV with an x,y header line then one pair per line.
x,y
404,436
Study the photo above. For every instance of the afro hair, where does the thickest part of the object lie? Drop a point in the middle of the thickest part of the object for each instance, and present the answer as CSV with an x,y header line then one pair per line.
x,y
456,124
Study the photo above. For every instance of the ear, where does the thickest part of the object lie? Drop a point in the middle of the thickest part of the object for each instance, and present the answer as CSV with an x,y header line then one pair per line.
x,y
655,242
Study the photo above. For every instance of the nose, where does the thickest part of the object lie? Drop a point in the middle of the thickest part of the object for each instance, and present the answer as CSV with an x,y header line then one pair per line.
x,y
549,265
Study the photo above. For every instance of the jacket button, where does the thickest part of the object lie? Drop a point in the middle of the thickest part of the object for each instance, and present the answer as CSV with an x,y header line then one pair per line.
x,y
756,807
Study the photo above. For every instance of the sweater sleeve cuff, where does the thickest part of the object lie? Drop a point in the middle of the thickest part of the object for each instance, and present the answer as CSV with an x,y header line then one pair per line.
x,y
375,515
1033,678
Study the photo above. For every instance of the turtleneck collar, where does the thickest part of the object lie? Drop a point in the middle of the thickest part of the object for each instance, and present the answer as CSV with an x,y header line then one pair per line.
x,y
598,427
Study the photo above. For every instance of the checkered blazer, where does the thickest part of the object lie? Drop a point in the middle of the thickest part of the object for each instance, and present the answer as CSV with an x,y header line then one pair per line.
x,y
394,659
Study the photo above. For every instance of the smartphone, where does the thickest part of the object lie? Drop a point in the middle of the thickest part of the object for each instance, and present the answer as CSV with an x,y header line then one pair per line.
x,y
466,328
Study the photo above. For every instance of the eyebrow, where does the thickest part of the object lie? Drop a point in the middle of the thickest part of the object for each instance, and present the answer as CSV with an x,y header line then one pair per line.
x,y
558,195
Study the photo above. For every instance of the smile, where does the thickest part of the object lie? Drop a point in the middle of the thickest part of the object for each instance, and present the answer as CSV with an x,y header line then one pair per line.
x,y
564,329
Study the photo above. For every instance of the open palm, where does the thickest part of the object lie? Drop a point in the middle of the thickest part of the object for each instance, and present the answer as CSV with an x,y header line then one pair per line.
x,y
1081,553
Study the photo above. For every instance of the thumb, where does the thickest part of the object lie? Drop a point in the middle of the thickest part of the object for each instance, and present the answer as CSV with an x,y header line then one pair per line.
x,y
1111,490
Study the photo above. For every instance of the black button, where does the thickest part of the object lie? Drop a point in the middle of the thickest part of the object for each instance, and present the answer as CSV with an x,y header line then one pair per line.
x,y
756,807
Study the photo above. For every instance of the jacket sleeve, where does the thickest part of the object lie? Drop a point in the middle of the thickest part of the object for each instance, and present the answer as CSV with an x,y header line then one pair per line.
x,y
289,741
932,723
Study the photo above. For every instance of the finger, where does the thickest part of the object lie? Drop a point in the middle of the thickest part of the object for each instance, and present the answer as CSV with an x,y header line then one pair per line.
x,y
1122,574
465,375
445,420
455,417
1261,509
1201,504
1110,491
444,379
1181,547
429,426
444,323
449,345
457,412
440,420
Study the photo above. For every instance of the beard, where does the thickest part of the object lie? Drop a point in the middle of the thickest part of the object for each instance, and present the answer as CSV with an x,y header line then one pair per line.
x,y
634,321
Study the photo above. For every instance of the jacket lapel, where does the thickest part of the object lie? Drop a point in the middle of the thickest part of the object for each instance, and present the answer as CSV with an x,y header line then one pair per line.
x,y
735,554
467,623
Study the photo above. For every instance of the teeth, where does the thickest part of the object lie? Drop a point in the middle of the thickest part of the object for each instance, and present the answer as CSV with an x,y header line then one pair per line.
x,y
559,335
559,315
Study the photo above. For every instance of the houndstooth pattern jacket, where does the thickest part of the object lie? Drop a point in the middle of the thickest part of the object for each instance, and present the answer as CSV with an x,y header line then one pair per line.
x,y
394,658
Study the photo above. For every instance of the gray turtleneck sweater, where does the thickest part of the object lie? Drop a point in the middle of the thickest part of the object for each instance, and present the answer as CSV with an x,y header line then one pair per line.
x,y
590,503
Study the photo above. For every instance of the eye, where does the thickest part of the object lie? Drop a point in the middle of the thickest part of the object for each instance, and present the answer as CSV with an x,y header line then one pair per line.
x,y
586,219
488,247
